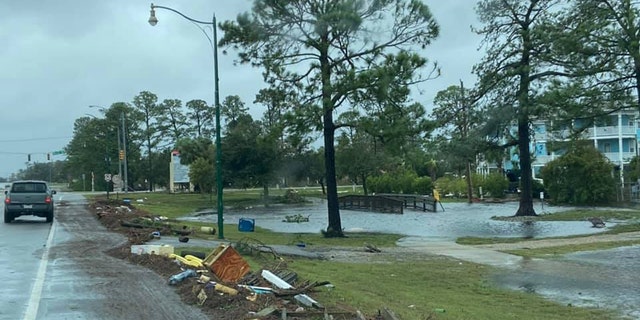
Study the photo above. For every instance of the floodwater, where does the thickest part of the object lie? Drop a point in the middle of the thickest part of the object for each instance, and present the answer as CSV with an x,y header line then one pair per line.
x,y
457,220
603,279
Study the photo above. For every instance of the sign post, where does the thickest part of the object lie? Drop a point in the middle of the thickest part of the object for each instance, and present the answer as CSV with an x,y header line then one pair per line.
x,y
107,178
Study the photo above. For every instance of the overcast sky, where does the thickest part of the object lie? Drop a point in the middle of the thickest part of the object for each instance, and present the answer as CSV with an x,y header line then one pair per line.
x,y
58,57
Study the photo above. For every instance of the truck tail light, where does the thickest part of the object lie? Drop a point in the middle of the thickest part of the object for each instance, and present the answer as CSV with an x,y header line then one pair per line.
x,y
47,199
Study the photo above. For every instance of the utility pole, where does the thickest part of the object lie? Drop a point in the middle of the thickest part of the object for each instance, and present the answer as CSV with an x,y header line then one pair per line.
x,y
124,148
119,158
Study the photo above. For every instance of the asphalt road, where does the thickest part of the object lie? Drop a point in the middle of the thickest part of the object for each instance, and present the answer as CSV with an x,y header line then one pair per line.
x,y
59,271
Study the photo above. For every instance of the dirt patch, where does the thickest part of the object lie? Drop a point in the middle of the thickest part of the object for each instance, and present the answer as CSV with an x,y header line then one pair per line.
x,y
216,305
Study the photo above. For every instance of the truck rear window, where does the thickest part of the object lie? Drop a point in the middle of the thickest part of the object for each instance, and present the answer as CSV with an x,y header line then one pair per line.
x,y
29,187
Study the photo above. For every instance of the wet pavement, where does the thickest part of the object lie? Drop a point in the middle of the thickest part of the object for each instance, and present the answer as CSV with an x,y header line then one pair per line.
x,y
606,278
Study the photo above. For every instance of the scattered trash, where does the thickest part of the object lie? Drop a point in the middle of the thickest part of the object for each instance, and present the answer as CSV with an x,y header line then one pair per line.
x,y
278,282
246,225
597,222
163,250
371,248
174,279
140,200
155,235
198,254
188,260
202,297
209,230
183,239
440,310
222,288
296,218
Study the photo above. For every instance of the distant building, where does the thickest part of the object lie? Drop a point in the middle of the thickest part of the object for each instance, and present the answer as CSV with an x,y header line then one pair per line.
x,y
178,174
616,136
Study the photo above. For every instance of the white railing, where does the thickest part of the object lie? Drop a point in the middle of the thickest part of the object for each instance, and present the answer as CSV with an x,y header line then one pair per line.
x,y
615,156
598,132
611,131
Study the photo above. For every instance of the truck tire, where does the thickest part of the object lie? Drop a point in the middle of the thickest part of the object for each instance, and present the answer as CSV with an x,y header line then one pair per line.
x,y
8,217
49,216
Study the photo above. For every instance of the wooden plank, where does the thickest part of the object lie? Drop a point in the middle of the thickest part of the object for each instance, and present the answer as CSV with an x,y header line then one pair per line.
x,y
388,314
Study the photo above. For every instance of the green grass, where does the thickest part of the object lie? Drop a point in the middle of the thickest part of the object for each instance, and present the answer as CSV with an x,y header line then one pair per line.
x,y
414,290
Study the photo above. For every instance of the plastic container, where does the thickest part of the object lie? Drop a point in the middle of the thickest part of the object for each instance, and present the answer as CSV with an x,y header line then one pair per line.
x,y
246,225
174,279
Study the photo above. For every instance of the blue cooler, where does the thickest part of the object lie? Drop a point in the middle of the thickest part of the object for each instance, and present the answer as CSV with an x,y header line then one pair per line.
x,y
246,225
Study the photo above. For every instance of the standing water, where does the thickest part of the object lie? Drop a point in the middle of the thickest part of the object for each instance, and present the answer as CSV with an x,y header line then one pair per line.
x,y
607,278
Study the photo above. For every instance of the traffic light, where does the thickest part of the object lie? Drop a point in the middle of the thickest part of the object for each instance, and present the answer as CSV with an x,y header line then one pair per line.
x,y
121,155
29,157
48,156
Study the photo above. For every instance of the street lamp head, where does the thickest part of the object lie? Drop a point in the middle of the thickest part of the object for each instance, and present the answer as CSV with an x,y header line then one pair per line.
x,y
152,19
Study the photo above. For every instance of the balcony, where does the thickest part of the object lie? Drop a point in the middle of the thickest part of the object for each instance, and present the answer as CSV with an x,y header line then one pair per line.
x,y
591,133
611,131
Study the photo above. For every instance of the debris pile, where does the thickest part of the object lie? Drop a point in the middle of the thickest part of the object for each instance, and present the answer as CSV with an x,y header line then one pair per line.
x,y
219,282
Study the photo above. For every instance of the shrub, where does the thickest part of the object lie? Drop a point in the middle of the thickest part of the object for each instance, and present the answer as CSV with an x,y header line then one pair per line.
x,y
495,184
582,176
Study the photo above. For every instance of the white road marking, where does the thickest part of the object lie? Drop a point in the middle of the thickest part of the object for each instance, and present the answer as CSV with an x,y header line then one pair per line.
x,y
36,293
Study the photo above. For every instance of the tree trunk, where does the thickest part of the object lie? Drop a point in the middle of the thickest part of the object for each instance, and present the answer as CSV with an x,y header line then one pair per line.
x,y
526,198
265,192
469,185
334,229
364,185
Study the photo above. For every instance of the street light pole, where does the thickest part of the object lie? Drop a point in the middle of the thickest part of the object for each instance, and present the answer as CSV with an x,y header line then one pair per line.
x,y
153,21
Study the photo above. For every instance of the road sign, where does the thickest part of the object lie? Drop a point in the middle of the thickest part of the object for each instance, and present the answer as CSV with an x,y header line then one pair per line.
x,y
107,177
57,152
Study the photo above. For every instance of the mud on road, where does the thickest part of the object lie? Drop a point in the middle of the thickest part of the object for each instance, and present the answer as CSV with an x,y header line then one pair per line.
x,y
102,253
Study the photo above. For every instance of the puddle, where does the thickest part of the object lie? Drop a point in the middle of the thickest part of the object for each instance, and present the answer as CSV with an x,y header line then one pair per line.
x,y
600,279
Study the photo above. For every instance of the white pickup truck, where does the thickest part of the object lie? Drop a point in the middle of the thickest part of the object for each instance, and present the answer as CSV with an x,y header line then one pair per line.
x,y
28,197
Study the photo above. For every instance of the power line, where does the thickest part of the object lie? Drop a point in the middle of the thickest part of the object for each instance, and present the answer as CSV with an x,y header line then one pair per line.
x,y
35,139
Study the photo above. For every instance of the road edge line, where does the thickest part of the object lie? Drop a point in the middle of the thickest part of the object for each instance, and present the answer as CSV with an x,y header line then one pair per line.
x,y
36,293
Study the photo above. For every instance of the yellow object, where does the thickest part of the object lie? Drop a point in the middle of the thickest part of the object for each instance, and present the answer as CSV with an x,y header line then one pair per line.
x,y
436,195
193,258
225,289
185,261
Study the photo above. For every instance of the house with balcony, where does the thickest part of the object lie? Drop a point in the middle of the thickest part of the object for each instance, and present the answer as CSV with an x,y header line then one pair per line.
x,y
615,136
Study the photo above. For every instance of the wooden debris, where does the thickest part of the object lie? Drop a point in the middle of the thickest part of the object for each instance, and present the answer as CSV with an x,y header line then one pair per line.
x,y
371,248
301,298
388,314
227,264
597,222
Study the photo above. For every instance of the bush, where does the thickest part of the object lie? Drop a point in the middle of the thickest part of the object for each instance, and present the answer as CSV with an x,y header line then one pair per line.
x,y
495,184
582,176
407,182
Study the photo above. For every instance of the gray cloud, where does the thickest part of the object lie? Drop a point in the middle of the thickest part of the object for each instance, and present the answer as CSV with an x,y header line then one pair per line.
x,y
60,56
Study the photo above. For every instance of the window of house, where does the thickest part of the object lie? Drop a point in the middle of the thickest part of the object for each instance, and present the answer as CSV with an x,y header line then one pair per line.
x,y
607,147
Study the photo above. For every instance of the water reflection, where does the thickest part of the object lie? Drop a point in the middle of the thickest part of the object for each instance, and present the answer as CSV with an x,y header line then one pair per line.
x,y
598,279
601,279
458,220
